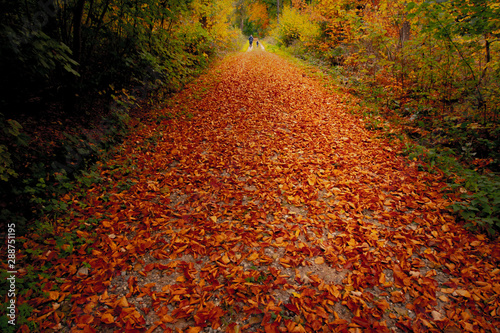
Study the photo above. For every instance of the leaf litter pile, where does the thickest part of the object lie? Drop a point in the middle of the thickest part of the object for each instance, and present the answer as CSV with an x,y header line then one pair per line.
x,y
257,203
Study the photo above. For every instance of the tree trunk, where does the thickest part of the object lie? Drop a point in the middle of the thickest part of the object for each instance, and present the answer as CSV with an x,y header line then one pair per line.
x,y
77,30
97,29
404,33
72,88
488,54
278,11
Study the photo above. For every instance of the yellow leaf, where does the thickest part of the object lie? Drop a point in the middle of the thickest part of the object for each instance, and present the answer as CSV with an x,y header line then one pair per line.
x,y
181,279
213,218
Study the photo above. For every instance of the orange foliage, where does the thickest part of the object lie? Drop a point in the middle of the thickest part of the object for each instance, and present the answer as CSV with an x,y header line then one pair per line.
x,y
258,14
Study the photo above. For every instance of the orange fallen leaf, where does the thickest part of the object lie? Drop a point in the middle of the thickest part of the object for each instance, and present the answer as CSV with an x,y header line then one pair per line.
x,y
122,302
107,318
319,261
463,293
437,315
53,295
225,259
167,319
226,186
253,256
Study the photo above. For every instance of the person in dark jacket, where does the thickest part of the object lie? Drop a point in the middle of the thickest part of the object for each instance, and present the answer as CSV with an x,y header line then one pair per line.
x,y
250,39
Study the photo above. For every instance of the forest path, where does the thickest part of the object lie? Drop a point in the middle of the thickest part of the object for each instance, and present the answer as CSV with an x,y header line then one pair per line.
x,y
256,202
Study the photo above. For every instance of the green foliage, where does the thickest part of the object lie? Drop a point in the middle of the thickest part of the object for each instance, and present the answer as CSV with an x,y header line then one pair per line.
x,y
69,241
48,178
29,282
480,193
481,207
11,140
30,60
431,158
120,43
466,34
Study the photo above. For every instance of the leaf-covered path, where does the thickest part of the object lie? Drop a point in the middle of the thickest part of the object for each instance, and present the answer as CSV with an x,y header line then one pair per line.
x,y
258,203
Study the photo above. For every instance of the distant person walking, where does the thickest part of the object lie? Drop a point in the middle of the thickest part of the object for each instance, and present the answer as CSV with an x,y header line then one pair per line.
x,y
250,39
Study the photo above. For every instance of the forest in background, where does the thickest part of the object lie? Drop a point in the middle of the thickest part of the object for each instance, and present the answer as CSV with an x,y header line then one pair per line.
x,y
74,70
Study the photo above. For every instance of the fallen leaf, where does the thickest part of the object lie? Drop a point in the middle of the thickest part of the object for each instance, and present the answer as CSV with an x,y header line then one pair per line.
x,y
167,319
436,315
319,261
253,256
462,292
84,270
122,302
225,259
107,318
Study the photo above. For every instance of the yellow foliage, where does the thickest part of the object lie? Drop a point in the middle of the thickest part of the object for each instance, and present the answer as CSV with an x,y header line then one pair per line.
x,y
296,25
215,15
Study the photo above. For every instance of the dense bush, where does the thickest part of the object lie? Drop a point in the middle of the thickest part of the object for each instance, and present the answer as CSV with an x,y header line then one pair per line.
x,y
295,26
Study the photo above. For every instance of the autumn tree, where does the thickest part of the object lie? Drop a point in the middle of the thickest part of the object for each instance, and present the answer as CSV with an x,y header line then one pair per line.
x,y
296,25
258,18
